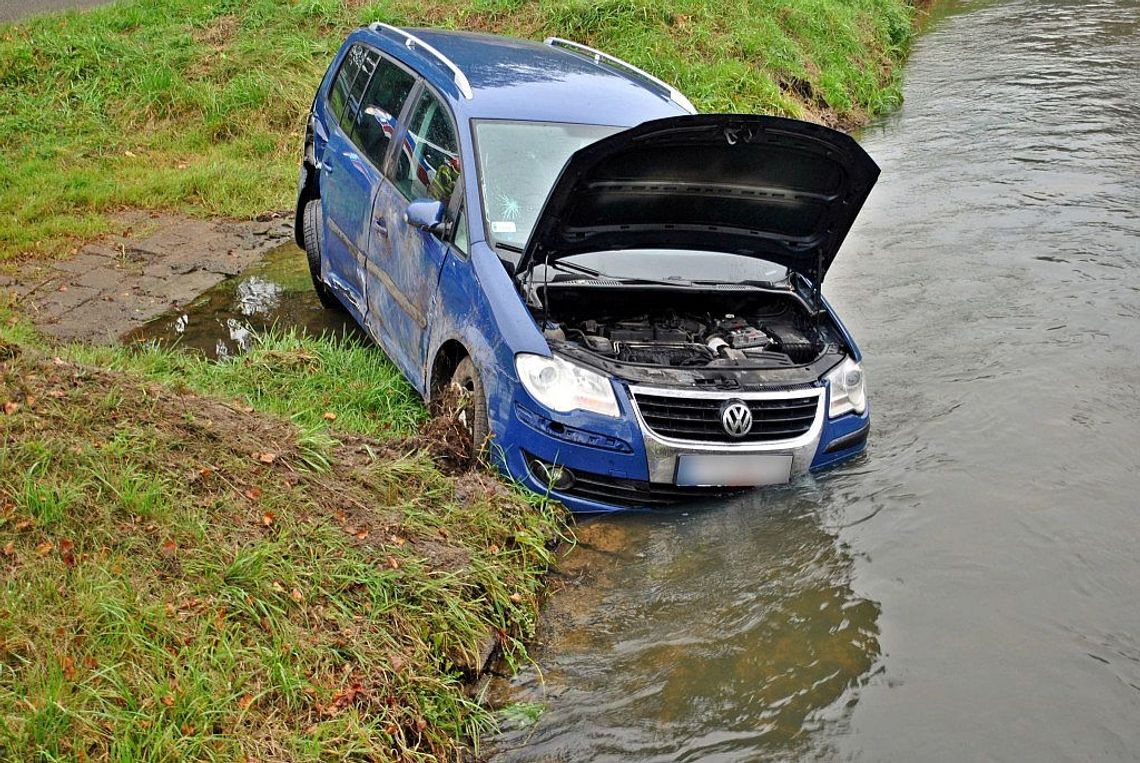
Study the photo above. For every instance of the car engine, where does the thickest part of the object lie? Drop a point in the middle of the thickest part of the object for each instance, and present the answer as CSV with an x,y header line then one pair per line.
x,y
687,340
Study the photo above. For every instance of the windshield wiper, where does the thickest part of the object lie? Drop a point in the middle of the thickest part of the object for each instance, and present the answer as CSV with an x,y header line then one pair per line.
x,y
582,269
508,247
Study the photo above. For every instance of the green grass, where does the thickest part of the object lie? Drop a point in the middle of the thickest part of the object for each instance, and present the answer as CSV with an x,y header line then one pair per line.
x,y
171,592
197,106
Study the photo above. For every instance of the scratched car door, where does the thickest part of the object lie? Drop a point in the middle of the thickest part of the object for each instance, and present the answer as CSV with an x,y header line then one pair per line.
x,y
349,181
426,167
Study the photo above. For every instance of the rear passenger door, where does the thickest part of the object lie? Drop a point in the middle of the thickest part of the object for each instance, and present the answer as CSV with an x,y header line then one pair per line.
x,y
408,260
366,99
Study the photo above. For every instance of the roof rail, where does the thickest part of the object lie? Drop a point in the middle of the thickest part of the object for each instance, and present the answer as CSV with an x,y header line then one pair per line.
x,y
599,56
412,42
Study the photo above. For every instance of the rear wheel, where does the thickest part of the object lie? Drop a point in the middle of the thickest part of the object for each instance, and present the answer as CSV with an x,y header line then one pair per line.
x,y
472,408
313,247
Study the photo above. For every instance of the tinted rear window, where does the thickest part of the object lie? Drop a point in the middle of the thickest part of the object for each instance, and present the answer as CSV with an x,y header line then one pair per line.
x,y
344,96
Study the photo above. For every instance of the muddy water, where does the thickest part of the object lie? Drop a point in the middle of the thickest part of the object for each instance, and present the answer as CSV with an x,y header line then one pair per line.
x,y
225,320
971,588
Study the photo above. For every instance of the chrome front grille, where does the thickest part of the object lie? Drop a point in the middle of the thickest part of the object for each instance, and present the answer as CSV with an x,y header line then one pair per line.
x,y
696,416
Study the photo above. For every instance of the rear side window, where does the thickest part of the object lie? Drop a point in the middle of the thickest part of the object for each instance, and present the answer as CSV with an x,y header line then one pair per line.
x,y
344,95
375,122
428,166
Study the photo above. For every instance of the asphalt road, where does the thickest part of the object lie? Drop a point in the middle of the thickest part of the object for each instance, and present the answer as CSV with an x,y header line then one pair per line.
x,y
13,10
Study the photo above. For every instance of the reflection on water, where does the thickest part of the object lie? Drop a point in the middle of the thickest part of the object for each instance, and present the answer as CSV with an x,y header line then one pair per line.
x,y
971,589
226,319
694,635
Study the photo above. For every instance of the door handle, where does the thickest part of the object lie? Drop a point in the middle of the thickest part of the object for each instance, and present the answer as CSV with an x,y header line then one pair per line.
x,y
381,226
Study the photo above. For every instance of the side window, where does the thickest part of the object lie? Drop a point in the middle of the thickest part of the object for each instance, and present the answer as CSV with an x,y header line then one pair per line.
x,y
342,84
375,122
428,166
368,60
460,238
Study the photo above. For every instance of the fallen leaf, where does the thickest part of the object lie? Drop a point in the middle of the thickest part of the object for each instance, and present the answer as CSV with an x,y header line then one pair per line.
x,y
168,701
9,548
90,662
393,563
129,153
493,549
168,548
421,724
267,518
329,416
266,458
63,288
45,548
396,539
205,471
68,668
297,596
253,493
276,586
187,729
23,524
11,407
361,534
344,697
245,701
30,401
67,552
515,597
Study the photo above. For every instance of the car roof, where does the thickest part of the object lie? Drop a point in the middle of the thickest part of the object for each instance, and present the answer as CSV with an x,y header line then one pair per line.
x,y
526,80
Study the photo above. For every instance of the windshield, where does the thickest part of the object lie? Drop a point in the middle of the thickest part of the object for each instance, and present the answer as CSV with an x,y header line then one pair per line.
x,y
518,163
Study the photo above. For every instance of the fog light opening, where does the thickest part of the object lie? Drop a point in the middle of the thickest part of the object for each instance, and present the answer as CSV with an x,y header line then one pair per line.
x,y
552,475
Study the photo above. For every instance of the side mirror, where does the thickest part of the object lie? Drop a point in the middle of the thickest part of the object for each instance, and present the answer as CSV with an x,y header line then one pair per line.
x,y
426,214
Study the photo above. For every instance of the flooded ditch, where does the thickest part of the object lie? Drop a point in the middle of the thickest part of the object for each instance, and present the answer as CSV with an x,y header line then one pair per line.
x,y
971,588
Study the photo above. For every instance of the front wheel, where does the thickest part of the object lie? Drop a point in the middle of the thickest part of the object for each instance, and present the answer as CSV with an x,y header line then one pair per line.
x,y
313,248
471,412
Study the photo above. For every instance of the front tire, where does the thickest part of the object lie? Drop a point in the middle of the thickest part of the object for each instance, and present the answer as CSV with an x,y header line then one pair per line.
x,y
472,411
313,249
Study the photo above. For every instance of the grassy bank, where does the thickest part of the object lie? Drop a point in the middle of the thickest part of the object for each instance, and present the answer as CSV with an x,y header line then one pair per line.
x,y
187,576
196,105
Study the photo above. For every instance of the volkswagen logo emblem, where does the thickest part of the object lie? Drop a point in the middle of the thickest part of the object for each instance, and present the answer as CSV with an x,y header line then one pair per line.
x,y
736,418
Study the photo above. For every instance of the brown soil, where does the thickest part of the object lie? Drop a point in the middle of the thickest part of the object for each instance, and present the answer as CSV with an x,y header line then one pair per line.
x,y
157,262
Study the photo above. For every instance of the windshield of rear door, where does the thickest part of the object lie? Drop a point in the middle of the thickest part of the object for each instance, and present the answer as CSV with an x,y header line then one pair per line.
x,y
518,164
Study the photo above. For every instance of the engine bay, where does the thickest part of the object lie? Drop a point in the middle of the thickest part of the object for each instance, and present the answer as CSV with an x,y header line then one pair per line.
x,y
770,333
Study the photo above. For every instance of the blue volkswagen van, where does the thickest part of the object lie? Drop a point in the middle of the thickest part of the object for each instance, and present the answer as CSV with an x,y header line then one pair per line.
x,y
628,292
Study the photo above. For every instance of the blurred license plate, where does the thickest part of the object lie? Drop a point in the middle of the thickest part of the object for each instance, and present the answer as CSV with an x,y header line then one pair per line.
x,y
734,470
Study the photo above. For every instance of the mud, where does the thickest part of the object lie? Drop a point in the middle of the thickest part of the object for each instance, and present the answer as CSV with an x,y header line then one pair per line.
x,y
156,263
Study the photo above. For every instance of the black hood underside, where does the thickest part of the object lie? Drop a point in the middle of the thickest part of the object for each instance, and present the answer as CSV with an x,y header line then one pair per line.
x,y
776,189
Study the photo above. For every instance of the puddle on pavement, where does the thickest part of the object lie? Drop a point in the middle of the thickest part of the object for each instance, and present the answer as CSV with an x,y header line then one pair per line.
x,y
224,320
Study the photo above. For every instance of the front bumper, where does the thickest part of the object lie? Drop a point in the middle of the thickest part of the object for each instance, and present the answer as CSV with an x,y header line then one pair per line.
x,y
621,464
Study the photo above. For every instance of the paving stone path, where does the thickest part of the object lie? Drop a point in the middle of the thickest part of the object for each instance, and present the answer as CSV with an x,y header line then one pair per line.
x,y
110,287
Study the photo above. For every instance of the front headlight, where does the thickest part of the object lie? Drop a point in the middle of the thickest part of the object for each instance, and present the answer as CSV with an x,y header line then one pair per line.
x,y
848,389
564,386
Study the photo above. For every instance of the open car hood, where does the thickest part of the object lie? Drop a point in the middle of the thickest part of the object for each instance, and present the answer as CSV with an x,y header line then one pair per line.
x,y
776,189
